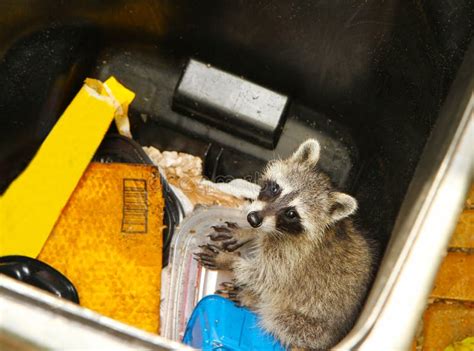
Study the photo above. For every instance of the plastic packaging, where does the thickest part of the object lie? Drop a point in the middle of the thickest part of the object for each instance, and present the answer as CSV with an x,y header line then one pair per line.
x,y
218,324
189,282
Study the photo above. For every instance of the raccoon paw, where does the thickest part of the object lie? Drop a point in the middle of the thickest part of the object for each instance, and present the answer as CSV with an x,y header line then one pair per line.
x,y
207,256
227,236
230,291
238,294
223,232
214,258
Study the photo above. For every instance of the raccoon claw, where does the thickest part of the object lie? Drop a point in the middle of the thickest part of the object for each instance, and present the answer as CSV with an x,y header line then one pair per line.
x,y
223,232
232,225
217,236
224,235
233,244
228,243
229,291
208,256
230,286
229,295
215,258
221,228
209,247
205,260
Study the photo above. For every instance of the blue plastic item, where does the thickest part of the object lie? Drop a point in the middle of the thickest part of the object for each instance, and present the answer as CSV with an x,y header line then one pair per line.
x,y
218,324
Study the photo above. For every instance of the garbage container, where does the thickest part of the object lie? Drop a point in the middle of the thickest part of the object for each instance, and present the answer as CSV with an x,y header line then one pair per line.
x,y
375,80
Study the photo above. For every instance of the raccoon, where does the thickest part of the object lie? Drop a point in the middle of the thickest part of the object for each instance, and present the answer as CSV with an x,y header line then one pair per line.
x,y
308,267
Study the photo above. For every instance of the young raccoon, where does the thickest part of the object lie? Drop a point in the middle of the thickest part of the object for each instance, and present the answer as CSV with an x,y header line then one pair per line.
x,y
308,267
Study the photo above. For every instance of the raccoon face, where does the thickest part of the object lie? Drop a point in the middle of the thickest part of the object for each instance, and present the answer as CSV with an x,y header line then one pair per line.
x,y
272,210
296,198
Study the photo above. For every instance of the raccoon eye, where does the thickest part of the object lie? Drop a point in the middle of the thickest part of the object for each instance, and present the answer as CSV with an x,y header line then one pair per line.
x,y
291,214
270,191
274,188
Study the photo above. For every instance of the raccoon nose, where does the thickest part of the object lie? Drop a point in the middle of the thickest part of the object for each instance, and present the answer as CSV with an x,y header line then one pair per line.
x,y
255,219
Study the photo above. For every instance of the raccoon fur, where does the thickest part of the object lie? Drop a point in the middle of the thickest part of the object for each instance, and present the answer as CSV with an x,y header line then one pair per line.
x,y
308,267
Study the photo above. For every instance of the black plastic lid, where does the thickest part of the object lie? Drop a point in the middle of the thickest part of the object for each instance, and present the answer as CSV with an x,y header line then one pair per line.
x,y
40,275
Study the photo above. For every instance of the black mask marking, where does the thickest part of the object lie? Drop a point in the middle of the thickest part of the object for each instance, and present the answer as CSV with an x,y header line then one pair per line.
x,y
289,221
274,206
270,191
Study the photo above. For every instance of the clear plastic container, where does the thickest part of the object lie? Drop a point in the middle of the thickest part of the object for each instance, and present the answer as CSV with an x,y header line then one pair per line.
x,y
188,281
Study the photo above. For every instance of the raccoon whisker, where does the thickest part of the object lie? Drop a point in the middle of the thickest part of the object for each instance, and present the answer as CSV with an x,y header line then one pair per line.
x,y
277,234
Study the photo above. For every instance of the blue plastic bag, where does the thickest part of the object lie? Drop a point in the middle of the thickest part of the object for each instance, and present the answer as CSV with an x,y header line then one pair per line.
x,y
218,324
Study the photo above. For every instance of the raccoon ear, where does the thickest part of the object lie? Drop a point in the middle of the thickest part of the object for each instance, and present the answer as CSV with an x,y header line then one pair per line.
x,y
308,152
343,206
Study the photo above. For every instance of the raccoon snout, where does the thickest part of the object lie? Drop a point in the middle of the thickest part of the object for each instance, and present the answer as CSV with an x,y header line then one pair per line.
x,y
255,219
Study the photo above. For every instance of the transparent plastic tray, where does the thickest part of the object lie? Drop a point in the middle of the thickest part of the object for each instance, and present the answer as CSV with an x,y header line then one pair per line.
x,y
188,281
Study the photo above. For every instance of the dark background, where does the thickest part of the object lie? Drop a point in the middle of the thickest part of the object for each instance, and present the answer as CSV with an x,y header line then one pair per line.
x,y
381,69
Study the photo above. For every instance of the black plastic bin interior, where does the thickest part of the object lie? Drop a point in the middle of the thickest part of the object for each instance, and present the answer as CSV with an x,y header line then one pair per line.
x,y
368,77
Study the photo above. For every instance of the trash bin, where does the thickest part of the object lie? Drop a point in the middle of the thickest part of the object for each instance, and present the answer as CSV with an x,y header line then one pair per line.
x,y
374,81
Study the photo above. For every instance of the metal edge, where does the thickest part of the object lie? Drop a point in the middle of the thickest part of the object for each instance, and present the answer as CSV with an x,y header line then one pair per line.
x,y
77,321
447,140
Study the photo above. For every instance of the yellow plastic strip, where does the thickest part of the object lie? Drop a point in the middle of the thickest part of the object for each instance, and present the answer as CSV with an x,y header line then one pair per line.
x,y
33,202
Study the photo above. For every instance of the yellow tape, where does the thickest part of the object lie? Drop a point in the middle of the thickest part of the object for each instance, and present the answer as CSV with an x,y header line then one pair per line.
x,y
33,202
